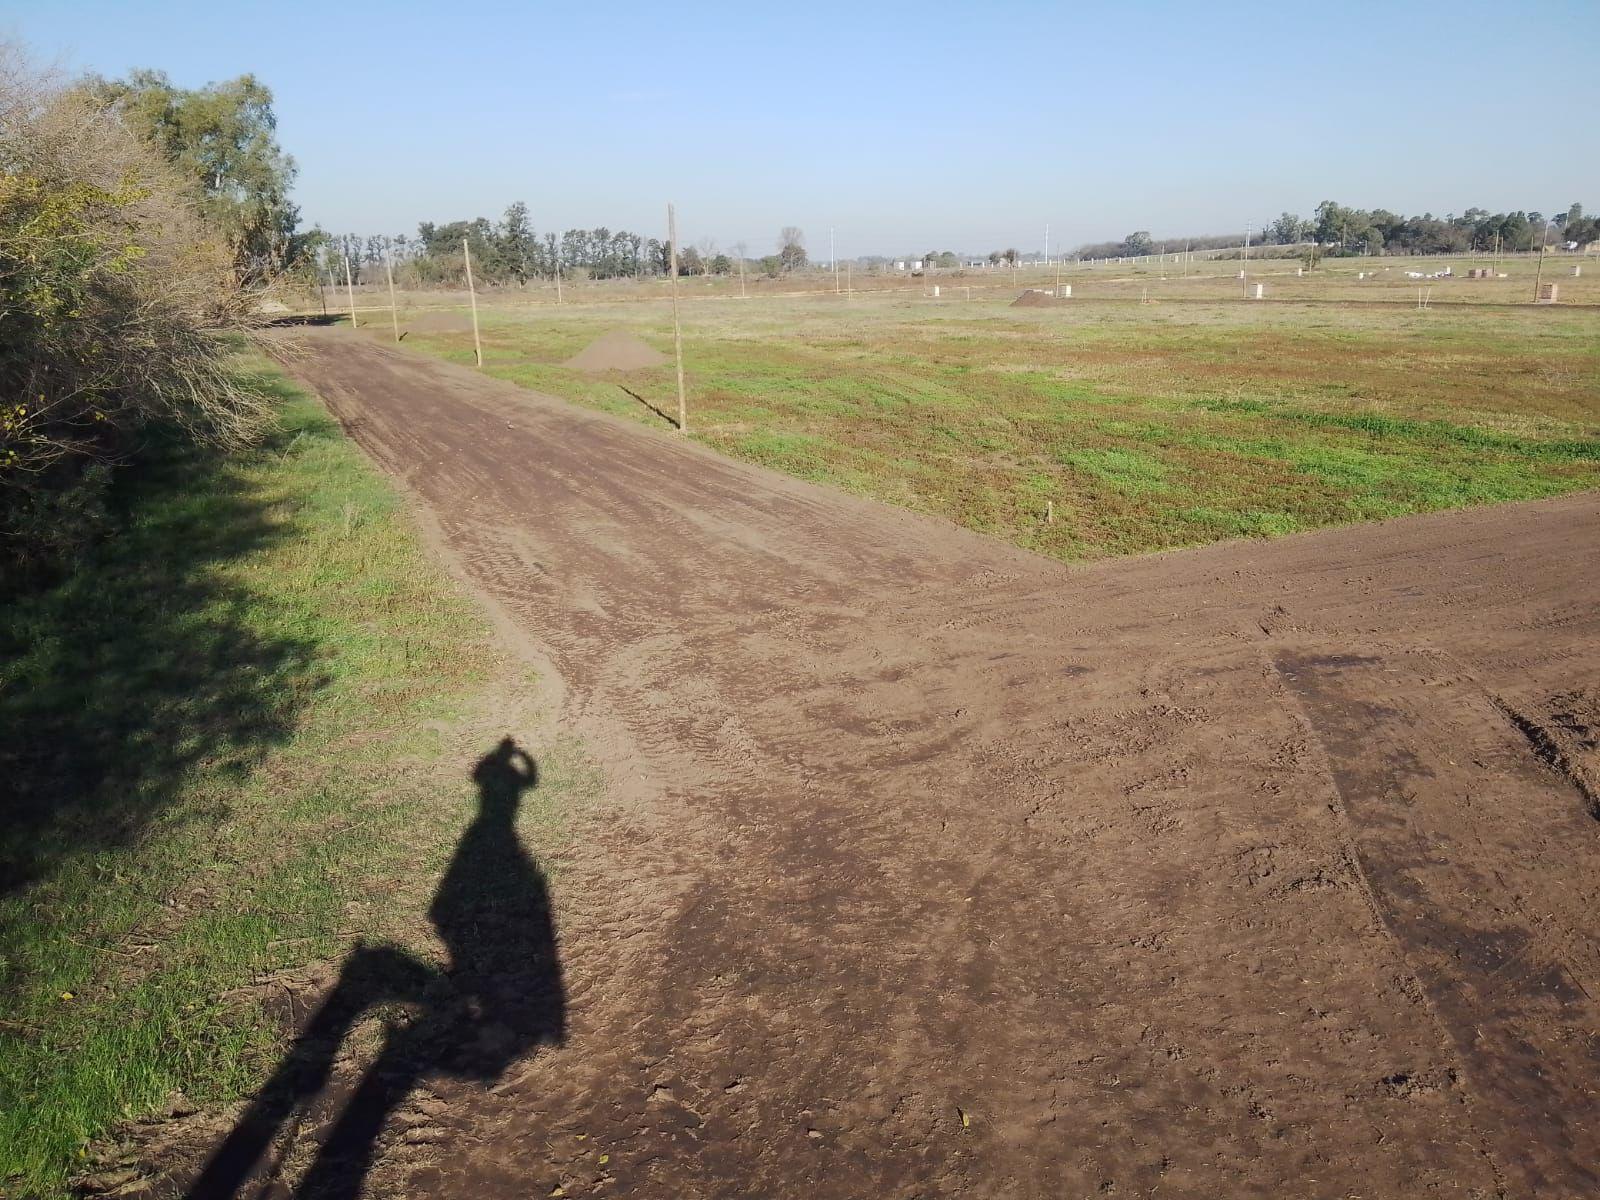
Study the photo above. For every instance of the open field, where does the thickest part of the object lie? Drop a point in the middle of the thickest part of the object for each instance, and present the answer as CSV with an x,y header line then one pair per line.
x,y
1145,426
235,741
934,868
1334,280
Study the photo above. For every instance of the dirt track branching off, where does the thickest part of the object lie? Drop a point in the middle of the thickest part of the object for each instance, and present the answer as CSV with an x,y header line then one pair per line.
x,y
1141,427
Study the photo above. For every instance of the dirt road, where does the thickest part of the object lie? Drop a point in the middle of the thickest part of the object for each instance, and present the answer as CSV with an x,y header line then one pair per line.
x,y
940,869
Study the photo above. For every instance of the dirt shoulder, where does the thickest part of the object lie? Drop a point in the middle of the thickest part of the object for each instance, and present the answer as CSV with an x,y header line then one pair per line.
x,y
941,869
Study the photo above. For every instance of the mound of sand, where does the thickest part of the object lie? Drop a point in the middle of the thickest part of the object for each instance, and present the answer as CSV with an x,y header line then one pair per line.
x,y
616,351
1034,298
441,322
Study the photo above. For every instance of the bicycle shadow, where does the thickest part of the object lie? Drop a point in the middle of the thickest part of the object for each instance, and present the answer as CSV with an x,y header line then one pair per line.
x,y
499,997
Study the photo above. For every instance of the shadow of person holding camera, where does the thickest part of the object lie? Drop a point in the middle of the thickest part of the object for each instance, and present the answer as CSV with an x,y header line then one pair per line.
x,y
499,997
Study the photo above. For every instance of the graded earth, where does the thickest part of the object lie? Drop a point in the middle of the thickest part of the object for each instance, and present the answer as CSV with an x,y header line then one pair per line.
x,y
935,868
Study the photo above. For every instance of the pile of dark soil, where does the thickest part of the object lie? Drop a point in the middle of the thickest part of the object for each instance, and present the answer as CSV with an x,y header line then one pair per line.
x,y
1034,298
616,351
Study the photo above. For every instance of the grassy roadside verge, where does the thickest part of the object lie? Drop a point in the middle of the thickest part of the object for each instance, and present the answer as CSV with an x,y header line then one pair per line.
x,y
238,738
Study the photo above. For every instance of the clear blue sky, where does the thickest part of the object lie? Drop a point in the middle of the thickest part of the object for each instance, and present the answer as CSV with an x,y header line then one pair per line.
x,y
905,126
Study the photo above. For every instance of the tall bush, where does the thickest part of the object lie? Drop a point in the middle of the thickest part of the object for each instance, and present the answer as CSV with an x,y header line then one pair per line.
x,y
116,306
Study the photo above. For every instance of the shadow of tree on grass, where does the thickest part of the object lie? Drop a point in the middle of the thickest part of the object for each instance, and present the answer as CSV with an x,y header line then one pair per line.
x,y
141,663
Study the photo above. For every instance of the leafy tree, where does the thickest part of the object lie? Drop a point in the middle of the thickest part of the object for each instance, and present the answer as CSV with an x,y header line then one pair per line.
x,y
223,138
1288,229
792,248
1333,223
572,249
519,245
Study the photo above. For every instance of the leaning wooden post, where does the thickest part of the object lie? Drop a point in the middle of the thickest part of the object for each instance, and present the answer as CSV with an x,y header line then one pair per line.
x,y
677,329
477,345
350,291
1538,275
394,313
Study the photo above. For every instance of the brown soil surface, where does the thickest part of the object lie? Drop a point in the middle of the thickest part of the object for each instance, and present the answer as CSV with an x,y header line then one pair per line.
x,y
618,350
935,868
1034,298
441,322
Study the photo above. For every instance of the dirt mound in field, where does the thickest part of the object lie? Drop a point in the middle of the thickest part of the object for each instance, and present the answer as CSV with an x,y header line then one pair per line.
x,y
616,351
1034,298
441,322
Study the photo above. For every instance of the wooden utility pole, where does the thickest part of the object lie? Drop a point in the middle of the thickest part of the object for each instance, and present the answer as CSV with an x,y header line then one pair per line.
x,y
677,328
477,345
350,291
394,313
742,294
1538,274
1244,271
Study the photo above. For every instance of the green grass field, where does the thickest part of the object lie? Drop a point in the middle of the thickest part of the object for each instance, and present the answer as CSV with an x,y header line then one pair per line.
x,y
239,738
1145,426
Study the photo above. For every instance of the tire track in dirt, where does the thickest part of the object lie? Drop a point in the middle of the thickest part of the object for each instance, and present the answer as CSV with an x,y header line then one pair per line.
x,y
941,869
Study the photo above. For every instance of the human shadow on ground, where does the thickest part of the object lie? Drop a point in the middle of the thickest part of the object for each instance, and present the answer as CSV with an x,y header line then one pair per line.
x,y
499,996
